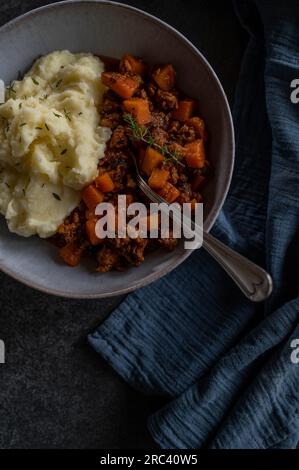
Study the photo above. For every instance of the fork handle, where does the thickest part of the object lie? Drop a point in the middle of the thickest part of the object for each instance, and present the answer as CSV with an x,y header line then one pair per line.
x,y
253,281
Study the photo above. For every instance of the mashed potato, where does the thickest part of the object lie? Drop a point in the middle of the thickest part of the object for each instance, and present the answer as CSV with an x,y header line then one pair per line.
x,y
50,141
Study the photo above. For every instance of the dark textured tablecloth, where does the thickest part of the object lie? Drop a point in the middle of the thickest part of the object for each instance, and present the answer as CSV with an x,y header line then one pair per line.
x,y
54,390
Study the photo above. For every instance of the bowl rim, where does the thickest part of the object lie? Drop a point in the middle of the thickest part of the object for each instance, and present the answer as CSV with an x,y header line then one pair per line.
x,y
179,258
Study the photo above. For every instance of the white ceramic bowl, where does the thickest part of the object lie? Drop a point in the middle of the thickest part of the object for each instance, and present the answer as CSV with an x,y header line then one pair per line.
x,y
112,29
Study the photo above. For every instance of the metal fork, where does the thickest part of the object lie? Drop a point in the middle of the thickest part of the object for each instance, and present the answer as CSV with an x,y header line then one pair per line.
x,y
253,281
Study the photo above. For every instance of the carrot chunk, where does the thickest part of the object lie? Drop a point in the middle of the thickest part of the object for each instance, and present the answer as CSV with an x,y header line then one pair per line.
x,y
90,227
151,160
71,253
122,85
139,108
169,192
195,155
164,76
158,178
185,110
91,196
104,183
199,126
133,64
90,213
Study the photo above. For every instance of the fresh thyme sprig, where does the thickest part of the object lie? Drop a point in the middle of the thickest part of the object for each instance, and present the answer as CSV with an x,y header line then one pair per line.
x,y
43,98
35,81
67,114
142,134
10,88
6,123
56,196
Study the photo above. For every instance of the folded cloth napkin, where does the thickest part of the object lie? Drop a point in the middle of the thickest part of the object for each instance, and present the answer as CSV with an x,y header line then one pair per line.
x,y
225,363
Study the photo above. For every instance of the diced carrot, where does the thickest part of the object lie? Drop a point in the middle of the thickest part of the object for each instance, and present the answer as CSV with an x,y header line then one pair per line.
x,y
104,183
151,160
133,64
90,213
122,85
164,76
199,126
90,227
169,192
139,108
71,253
195,155
158,178
91,196
197,182
185,110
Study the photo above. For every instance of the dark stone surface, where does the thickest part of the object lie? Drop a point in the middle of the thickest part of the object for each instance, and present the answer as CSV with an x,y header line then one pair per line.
x,y
55,392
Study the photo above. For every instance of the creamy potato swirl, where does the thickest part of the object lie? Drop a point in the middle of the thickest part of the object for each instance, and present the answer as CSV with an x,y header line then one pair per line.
x,y
50,141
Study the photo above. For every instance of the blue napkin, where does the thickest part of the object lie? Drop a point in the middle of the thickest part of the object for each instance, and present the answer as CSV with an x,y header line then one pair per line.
x,y
224,363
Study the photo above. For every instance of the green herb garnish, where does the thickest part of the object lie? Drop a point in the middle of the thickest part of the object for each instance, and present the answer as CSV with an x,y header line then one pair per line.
x,y
57,115
56,196
5,123
34,81
39,128
20,105
11,90
23,124
142,134
67,114
63,152
47,127
43,98
58,83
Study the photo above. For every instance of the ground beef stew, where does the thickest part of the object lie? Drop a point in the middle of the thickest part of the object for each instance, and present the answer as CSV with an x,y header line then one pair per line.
x,y
150,117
